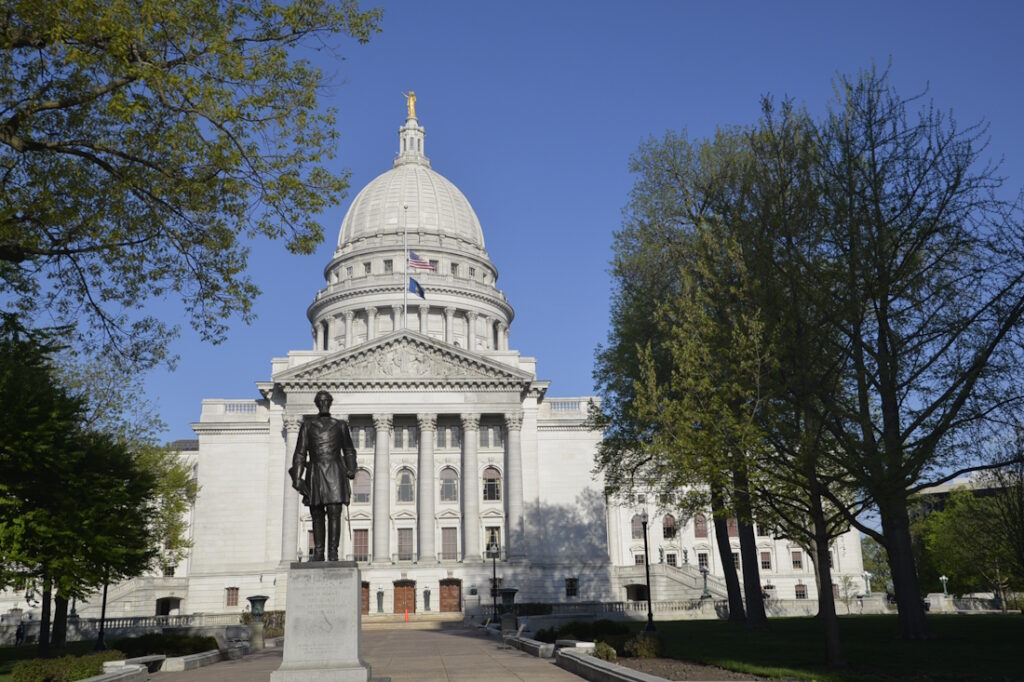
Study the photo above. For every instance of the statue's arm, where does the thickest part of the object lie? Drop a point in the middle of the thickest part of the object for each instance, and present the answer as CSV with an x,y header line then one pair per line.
x,y
299,456
348,448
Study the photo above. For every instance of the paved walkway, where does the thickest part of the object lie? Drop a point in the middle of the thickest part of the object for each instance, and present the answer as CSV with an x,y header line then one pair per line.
x,y
405,656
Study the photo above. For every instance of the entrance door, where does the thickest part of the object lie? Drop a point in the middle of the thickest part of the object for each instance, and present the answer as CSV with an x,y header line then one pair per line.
x,y
365,598
451,595
405,596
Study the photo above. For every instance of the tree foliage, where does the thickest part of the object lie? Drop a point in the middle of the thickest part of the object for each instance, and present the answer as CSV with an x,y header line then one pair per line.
x,y
142,144
888,277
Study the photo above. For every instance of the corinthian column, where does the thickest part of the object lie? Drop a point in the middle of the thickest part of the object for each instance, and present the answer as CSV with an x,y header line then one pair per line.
x,y
424,311
425,492
349,315
290,512
371,322
449,325
514,483
381,488
470,488
471,323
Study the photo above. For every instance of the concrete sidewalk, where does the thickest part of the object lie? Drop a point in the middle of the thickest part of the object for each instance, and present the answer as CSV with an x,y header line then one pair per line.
x,y
453,655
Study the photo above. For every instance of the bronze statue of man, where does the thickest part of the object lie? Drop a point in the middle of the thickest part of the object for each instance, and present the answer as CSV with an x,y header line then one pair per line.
x,y
322,466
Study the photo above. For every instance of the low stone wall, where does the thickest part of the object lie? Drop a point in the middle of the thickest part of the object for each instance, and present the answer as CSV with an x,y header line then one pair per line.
x,y
125,673
594,669
193,661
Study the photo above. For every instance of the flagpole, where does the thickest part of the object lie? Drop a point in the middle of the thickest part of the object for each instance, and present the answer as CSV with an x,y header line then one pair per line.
x,y
405,244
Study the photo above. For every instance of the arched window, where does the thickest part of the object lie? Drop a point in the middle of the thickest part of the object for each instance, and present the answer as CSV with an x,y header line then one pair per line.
x,y
638,527
700,526
668,527
492,485
361,487
449,485
406,485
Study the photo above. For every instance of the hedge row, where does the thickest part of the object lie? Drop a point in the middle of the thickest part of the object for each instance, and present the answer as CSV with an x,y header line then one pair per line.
x,y
65,669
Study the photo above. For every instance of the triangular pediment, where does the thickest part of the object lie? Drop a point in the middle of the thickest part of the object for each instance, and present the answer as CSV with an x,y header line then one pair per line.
x,y
404,358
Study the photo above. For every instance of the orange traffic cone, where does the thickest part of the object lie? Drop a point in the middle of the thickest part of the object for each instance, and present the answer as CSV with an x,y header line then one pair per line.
x,y
407,615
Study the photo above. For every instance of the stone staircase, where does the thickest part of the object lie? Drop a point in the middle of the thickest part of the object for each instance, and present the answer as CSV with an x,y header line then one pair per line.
x,y
672,583
417,621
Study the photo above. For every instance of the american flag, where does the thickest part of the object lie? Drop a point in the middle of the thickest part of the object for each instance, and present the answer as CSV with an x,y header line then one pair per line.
x,y
418,263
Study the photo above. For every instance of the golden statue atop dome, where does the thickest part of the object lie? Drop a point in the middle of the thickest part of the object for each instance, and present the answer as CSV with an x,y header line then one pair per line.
x,y
410,102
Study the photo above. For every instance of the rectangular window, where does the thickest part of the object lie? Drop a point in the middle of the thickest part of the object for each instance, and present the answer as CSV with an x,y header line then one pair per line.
x,y
361,544
449,544
572,587
367,269
670,559
433,264
762,531
389,266
485,436
638,559
493,537
831,560
348,272
231,596
449,486
641,498
734,527
472,272
455,269
736,560
801,591
495,586
766,561
441,431
798,561
405,544
702,560
398,436
835,591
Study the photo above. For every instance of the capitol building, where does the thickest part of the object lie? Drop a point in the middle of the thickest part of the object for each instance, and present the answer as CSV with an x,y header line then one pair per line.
x,y
467,465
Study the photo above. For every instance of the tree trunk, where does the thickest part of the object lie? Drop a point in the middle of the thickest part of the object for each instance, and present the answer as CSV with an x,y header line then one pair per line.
x,y
896,529
44,621
732,582
59,639
826,600
749,561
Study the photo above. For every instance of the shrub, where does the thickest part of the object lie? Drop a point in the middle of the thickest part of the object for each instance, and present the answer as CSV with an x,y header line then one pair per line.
x,y
604,651
64,669
583,631
644,645
169,644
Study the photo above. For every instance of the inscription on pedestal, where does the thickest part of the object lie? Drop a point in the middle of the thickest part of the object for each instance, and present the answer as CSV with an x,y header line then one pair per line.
x,y
322,620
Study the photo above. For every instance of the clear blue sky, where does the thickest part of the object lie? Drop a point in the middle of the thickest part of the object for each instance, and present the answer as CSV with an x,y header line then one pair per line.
x,y
533,109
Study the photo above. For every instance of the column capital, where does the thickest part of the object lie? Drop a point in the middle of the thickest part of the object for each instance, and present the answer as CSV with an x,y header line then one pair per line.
x,y
472,315
502,326
427,421
514,420
396,309
382,422
349,314
371,310
424,308
449,311
470,422
292,422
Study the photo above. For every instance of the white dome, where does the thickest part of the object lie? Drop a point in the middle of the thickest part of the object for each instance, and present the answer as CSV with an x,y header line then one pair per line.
x,y
411,192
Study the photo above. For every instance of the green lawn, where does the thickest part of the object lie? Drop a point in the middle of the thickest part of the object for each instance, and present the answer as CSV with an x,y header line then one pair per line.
x,y
962,647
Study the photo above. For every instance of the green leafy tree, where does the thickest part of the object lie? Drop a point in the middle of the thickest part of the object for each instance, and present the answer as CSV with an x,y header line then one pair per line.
x,y
876,563
77,506
143,144
966,541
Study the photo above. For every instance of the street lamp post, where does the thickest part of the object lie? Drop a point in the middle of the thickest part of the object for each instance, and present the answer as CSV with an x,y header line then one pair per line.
x,y
943,579
704,572
647,571
493,549
100,644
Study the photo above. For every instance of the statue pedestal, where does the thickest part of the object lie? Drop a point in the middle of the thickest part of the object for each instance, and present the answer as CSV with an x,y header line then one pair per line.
x,y
322,619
